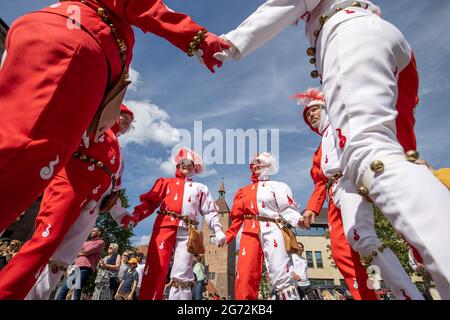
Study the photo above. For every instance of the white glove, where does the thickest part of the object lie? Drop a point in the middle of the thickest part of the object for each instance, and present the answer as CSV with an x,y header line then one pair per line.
x,y
220,238
226,54
118,218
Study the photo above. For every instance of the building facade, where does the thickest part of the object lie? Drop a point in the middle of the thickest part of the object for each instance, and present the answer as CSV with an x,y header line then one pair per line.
x,y
220,262
321,268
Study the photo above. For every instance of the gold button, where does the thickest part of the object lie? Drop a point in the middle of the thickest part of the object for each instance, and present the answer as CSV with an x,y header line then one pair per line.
x,y
83,157
323,19
99,164
377,166
356,4
101,12
314,74
312,61
311,51
412,155
363,191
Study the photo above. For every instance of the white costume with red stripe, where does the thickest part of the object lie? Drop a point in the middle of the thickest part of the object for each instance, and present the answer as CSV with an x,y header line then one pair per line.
x,y
370,83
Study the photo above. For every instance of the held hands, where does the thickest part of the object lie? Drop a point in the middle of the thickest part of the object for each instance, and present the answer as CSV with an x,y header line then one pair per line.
x,y
226,54
220,238
209,46
129,222
309,217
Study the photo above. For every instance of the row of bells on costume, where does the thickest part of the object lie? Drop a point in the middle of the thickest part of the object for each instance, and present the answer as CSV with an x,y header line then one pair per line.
x,y
311,52
378,167
84,157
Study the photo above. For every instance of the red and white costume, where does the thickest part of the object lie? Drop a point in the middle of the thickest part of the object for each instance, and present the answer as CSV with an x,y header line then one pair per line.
x,y
68,250
370,83
263,240
184,197
76,191
350,217
59,62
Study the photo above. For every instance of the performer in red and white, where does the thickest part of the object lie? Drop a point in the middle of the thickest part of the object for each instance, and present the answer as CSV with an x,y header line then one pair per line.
x,y
349,216
260,207
182,202
69,248
72,200
58,66
370,82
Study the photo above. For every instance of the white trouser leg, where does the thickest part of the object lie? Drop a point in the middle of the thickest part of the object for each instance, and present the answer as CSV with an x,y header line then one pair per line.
x,y
361,62
357,219
182,268
65,254
278,263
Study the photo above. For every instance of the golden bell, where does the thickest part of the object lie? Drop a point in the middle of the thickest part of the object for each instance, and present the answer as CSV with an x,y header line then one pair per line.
x,y
83,157
363,191
356,4
312,61
377,166
412,155
99,164
311,52
323,19
101,12
314,74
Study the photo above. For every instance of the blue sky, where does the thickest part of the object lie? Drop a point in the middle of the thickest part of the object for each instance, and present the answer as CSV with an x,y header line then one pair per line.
x,y
172,91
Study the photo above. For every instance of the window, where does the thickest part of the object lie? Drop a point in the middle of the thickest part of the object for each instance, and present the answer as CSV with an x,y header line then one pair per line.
x,y
309,258
319,261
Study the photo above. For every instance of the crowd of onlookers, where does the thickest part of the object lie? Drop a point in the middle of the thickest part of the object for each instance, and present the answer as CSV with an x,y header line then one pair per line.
x,y
8,249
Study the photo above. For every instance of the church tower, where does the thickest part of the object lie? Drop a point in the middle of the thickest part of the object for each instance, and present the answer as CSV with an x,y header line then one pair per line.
x,y
220,262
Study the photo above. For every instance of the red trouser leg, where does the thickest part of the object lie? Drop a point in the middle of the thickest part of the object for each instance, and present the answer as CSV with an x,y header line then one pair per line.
x,y
155,272
51,85
249,267
347,260
60,207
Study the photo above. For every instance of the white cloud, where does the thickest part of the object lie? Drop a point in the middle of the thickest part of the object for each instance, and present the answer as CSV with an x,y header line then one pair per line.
x,y
151,125
141,240
135,78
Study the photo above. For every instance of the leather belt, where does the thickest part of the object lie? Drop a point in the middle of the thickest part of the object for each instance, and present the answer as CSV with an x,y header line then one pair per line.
x,y
99,164
334,179
175,215
266,219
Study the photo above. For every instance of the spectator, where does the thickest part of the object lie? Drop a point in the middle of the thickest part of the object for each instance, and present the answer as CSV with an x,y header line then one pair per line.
x,y
8,251
86,263
140,270
199,272
124,264
301,274
106,282
128,285
326,295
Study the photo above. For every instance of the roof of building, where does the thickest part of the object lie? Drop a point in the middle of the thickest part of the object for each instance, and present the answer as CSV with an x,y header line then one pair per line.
x,y
3,24
223,206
